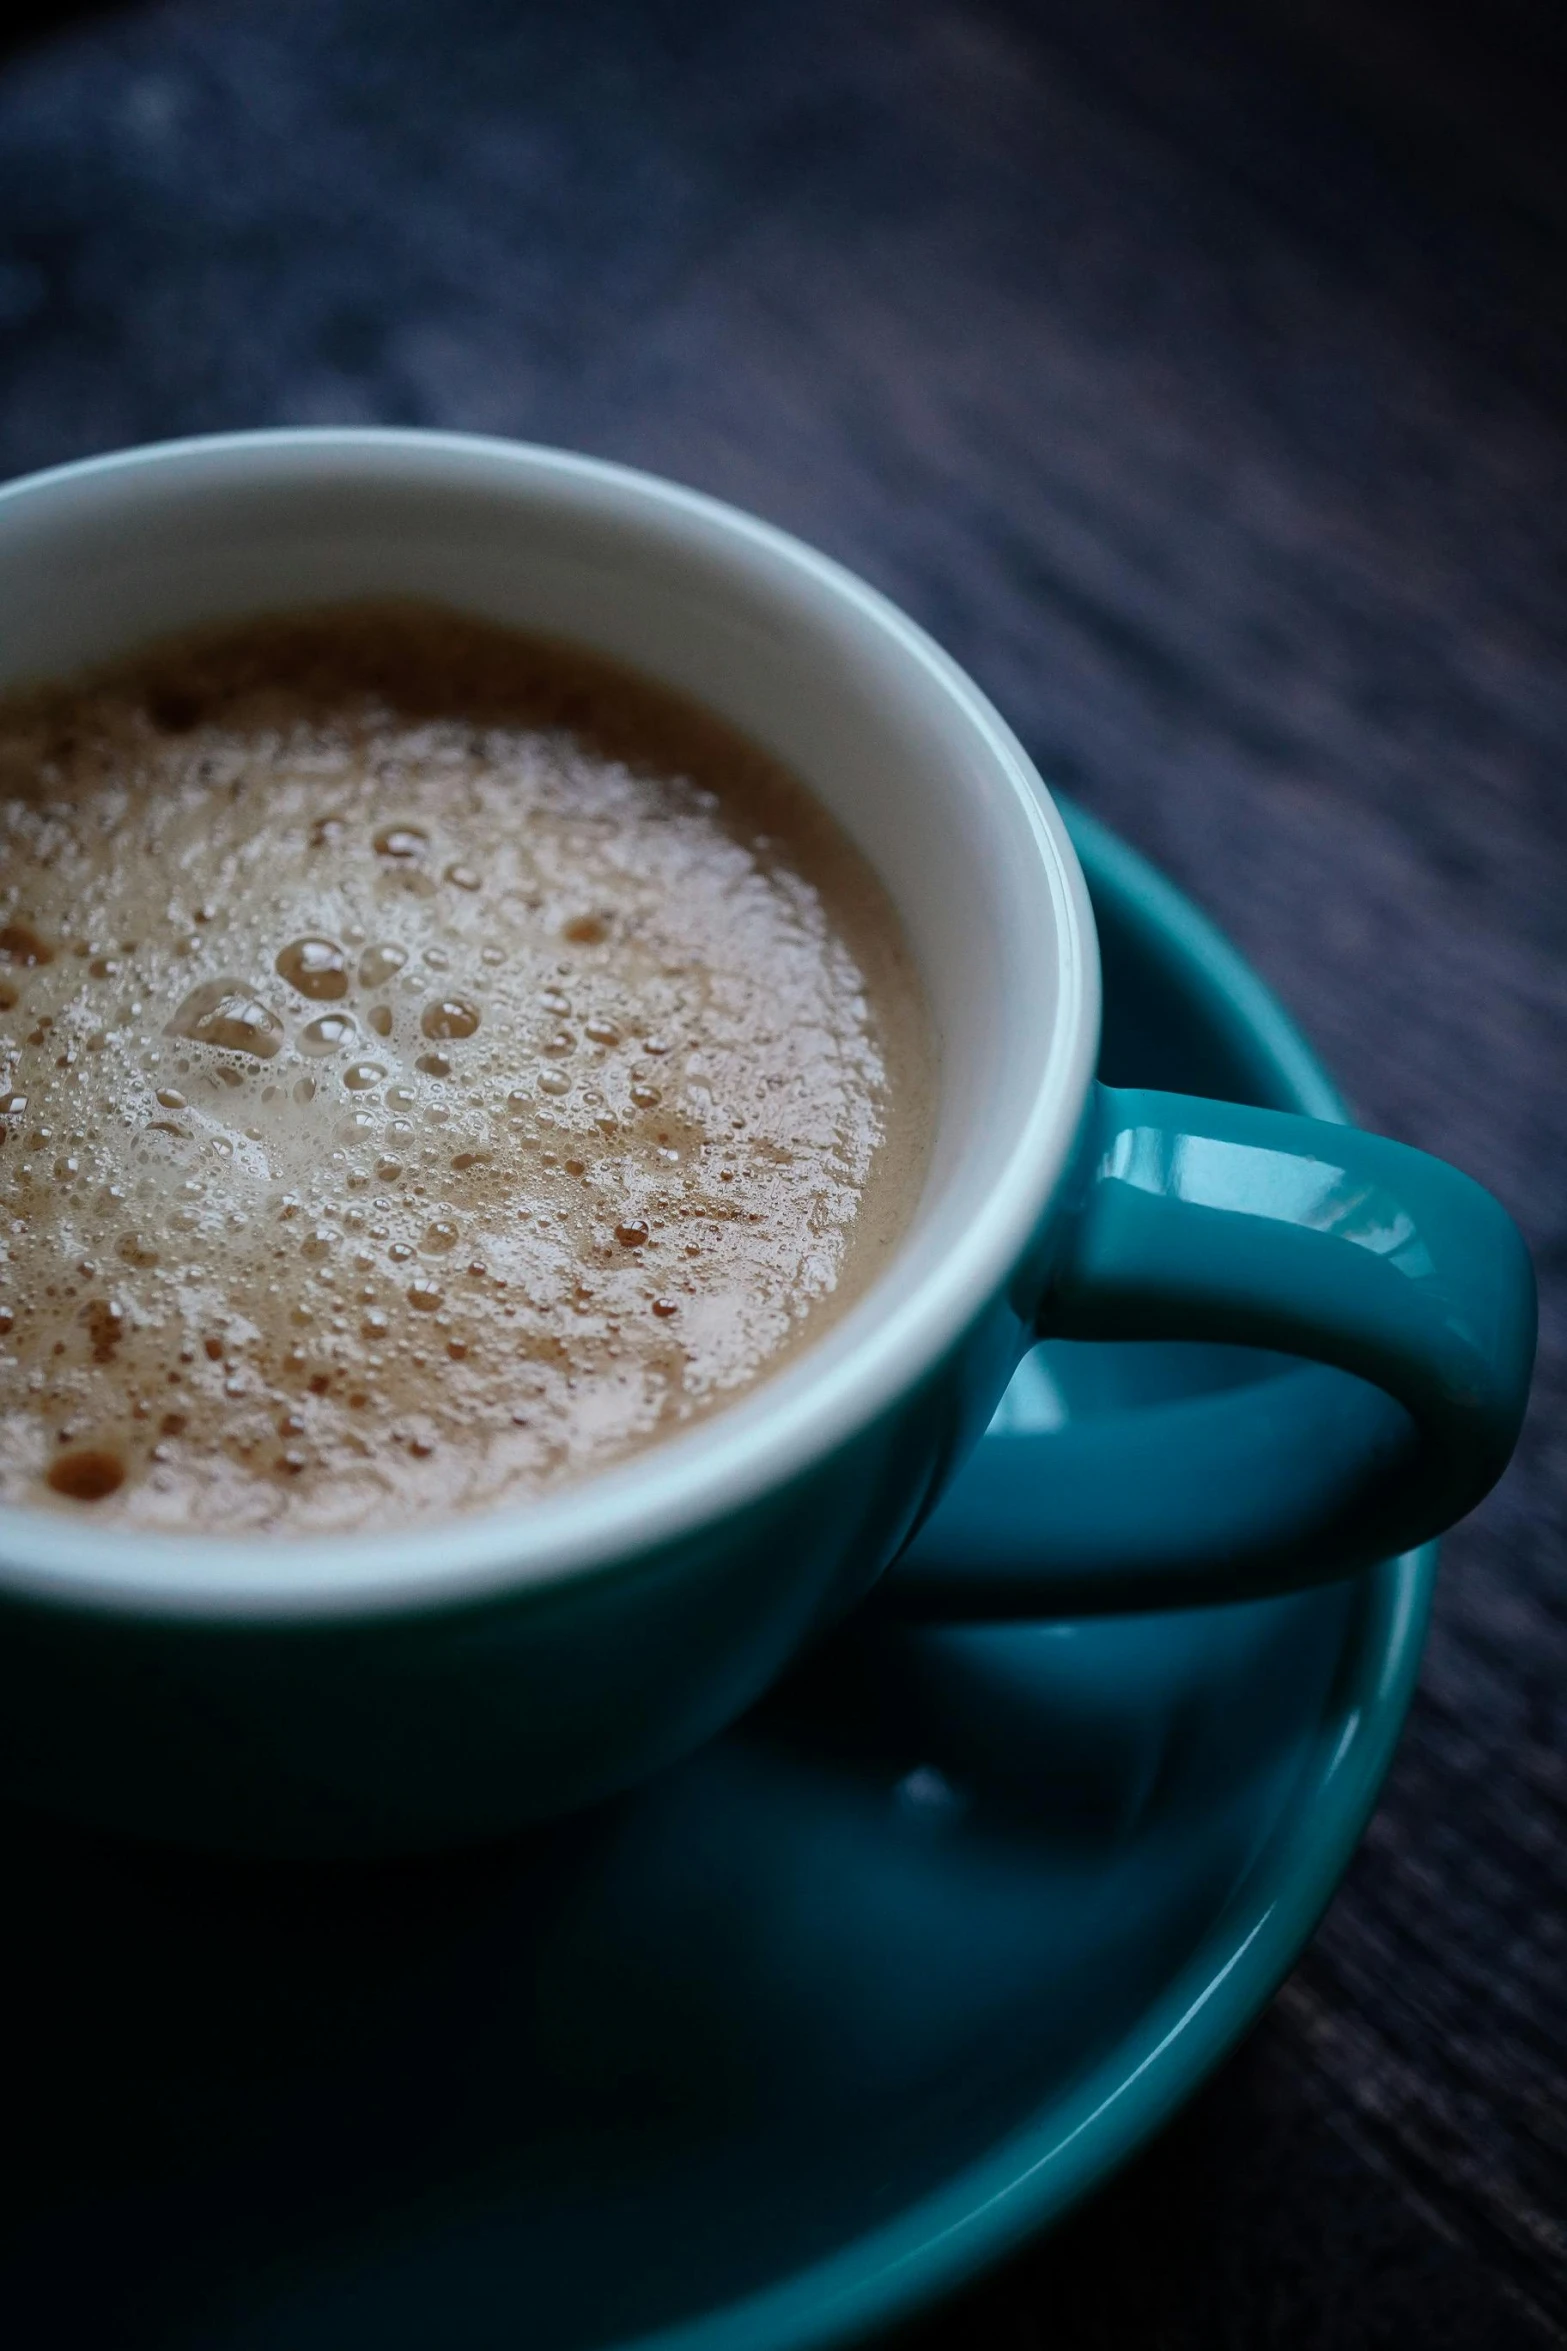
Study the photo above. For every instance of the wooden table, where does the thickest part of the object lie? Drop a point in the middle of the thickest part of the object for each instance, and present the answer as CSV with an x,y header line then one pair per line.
x,y
1197,375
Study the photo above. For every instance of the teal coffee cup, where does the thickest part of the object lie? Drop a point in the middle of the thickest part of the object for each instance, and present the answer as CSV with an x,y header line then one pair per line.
x,y
409,1689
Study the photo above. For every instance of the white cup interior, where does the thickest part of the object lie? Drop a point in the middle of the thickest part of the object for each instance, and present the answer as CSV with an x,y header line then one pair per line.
x,y
907,754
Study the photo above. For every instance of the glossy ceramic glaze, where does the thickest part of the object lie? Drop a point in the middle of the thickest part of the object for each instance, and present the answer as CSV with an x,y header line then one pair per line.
x,y
1232,1481
406,1690
793,2038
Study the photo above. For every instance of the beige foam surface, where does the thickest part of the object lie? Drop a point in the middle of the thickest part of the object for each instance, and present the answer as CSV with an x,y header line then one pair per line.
x,y
437,1065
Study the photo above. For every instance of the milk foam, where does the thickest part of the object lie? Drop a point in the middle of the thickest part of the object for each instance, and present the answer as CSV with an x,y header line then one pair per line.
x,y
437,1065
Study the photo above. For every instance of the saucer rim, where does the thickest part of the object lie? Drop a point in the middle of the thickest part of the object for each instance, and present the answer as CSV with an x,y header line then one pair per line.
x,y
1032,2178
1031,2174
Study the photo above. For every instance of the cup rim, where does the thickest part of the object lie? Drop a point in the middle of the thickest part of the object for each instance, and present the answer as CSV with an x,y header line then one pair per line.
x,y
612,1519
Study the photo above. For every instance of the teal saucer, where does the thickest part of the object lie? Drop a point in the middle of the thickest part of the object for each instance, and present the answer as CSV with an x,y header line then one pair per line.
x,y
777,2048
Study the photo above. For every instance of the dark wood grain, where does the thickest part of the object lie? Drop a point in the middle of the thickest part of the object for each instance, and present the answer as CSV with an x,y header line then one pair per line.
x,y
1197,375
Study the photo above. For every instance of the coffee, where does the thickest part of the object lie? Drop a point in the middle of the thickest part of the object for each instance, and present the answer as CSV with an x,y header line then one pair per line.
x,y
439,1064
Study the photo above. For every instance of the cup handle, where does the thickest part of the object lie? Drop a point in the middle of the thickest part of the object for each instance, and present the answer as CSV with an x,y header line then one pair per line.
x,y
1407,1285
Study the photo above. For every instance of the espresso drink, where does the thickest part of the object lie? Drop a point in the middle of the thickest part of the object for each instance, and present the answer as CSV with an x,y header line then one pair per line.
x,y
439,1063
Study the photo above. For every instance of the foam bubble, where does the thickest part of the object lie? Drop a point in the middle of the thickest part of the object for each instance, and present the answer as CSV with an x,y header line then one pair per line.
x,y
402,843
329,1034
450,1017
317,968
381,963
229,1015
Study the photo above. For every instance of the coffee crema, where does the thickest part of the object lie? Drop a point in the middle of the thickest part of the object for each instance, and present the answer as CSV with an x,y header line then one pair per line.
x,y
439,1063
